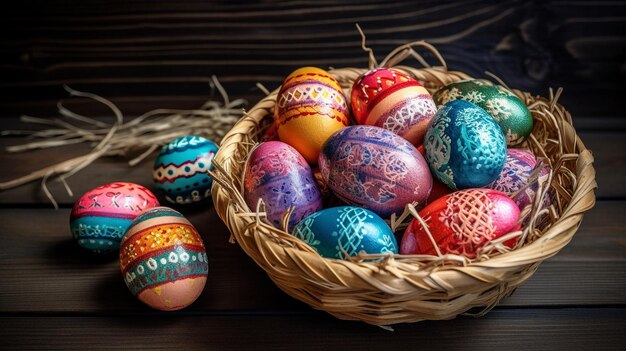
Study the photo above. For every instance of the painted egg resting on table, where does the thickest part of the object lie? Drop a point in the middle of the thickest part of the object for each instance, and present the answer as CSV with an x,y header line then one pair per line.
x,y
180,169
374,168
390,99
278,174
507,110
518,167
163,260
464,146
310,107
102,215
336,230
462,223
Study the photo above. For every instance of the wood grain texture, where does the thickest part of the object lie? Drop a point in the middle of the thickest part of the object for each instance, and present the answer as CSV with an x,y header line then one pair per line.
x,y
154,48
147,54
532,329
587,272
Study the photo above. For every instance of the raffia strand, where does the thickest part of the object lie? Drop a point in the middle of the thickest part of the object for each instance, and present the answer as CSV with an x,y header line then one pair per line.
x,y
140,136
386,290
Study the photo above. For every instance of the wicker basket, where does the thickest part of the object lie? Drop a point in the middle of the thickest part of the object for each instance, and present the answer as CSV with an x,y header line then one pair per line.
x,y
399,288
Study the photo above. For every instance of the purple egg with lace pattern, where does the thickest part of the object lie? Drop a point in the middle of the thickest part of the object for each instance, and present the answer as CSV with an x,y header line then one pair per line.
x,y
376,169
519,166
276,173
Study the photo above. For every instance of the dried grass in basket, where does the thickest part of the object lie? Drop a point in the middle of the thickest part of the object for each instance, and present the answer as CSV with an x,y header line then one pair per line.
x,y
399,288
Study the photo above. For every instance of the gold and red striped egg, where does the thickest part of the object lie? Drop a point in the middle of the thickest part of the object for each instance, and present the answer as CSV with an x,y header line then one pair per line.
x,y
389,99
163,259
310,107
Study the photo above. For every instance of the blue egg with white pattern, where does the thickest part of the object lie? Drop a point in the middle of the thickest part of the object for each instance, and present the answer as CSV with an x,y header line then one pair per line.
x,y
338,232
180,169
464,146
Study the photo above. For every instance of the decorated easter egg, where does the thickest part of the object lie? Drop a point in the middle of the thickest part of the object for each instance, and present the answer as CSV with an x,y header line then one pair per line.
x,y
339,231
310,107
278,174
163,260
507,109
374,168
390,99
464,146
518,168
461,223
180,169
439,189
102,215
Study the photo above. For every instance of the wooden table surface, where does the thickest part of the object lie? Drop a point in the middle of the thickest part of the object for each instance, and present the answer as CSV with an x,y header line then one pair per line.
x,y
150,54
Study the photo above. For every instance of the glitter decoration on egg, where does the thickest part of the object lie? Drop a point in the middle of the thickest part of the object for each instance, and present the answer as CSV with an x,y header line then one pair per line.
x,y
180,169
163,260
464,146
506,108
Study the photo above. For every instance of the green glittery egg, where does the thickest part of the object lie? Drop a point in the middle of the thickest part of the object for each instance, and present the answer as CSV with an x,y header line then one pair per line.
x,y
507,110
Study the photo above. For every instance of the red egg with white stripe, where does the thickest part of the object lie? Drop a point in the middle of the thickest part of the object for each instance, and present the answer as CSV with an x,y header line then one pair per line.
x,y
462,223
390,99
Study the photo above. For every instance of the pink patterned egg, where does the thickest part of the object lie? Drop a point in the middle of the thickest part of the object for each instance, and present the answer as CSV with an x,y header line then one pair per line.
x,y
278,174
518,167
389,99
102,215
374,168
462,223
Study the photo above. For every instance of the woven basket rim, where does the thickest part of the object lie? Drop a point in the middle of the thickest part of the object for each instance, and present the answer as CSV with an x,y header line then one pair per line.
x,y
390,291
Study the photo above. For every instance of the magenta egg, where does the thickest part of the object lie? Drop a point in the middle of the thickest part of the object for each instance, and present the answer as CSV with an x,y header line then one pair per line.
x,y
462,223
278,174
374,168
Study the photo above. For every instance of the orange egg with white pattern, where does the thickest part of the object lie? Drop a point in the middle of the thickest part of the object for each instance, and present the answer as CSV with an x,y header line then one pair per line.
x,y
310,107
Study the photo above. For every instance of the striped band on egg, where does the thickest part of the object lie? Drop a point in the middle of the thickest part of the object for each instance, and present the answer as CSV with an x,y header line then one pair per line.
x,y
406,111
161,246
181,169
96,233
311,98
148,236
165,266
319,76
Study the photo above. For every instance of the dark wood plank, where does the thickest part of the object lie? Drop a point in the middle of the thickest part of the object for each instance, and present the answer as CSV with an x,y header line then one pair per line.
x,y
53,270
556,329
159,48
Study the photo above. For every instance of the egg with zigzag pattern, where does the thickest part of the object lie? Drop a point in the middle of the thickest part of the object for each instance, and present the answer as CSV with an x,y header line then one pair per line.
x,y
310,107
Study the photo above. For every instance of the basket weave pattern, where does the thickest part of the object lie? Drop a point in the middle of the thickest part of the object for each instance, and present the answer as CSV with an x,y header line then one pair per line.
x,y
398,288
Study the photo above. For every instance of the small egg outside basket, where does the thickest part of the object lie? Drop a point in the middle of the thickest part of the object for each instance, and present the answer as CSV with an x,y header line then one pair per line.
x,y
397,288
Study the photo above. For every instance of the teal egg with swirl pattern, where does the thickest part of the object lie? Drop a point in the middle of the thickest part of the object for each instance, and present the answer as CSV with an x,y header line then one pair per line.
x,y
464,146
338,232
180,169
